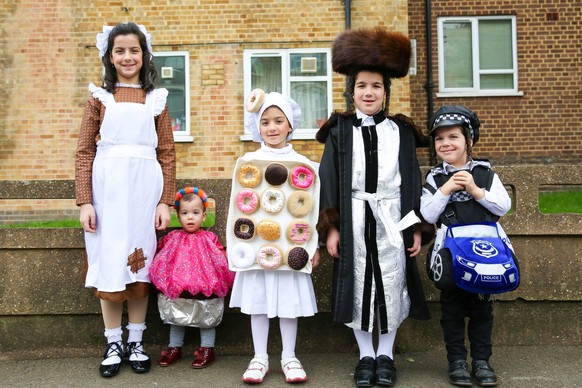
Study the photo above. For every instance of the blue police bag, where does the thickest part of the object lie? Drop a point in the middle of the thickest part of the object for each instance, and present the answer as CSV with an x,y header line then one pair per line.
x,y
483,260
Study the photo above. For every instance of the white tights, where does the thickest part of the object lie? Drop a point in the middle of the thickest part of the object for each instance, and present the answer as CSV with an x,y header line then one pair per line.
x,y
260,331
366,344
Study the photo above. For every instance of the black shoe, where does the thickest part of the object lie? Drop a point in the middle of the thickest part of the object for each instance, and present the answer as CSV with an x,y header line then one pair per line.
x,y
483,373
459,373
365,372
138,366
385,371
113,349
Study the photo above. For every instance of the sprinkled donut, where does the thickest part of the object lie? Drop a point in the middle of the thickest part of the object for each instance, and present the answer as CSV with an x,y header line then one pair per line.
x,y
247,201
299,232
276,174
249,175
244,228
268,230
297,258
255,100
242,255
301,177
269,257
299,203
272,200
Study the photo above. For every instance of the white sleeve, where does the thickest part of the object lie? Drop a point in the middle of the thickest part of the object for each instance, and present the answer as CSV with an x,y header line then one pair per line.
x,y
496,200
432,205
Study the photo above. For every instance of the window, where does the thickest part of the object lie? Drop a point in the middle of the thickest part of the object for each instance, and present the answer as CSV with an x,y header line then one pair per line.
x,y
477,56
174,75
302,74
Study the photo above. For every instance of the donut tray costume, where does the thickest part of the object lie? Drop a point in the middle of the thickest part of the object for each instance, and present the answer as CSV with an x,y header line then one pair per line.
x,y
273,210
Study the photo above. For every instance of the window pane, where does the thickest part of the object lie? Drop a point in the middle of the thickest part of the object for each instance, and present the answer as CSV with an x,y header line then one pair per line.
x,y
496,81
312,98
495,51
171,75
308,64
458,55
266,74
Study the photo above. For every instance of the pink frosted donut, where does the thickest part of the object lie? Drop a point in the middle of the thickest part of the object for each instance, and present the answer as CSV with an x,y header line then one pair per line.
x,y
269,257
299,232
301,177
247,201
255,100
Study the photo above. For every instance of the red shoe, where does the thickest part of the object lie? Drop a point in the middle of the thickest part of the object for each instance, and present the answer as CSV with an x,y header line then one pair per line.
x,y
204,357
170,356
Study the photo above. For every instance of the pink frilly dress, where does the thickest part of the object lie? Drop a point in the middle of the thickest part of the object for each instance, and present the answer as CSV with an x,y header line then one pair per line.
x,y
193,262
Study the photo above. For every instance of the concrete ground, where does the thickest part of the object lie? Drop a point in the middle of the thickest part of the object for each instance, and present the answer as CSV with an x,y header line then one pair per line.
x,y
525,366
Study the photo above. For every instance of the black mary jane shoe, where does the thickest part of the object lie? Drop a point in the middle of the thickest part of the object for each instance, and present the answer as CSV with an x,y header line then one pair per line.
x,y
483,373
138,366
365,372
385,371
113,349
459,373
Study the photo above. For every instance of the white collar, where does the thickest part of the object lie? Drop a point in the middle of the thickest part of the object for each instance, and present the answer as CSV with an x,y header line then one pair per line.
x,y
285,150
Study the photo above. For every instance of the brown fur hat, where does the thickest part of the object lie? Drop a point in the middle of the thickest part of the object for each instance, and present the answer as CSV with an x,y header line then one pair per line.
x,y
374,49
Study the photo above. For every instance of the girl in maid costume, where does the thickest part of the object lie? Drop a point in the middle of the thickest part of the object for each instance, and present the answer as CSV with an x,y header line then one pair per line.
x,y
125,182
371,201
191,271
454,130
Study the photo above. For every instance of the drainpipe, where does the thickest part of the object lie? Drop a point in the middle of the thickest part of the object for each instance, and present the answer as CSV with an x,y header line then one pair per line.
x,y
429,81
348,19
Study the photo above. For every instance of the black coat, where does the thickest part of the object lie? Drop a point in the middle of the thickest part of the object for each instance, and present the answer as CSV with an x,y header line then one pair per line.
x,y
335,172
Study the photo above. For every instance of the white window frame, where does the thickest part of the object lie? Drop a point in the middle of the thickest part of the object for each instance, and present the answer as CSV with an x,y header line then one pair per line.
x,y
476,90
285,55
181,136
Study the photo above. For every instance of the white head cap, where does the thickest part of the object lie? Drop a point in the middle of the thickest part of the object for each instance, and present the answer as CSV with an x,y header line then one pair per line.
x,y
289,107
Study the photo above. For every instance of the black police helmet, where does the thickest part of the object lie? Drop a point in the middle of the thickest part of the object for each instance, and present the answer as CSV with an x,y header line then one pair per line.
x,y
449,115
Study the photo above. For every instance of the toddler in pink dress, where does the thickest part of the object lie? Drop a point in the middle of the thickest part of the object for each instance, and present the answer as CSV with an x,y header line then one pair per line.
x,y
191,271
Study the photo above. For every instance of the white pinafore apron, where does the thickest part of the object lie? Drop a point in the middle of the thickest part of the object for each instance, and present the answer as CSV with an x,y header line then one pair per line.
x,y
127,186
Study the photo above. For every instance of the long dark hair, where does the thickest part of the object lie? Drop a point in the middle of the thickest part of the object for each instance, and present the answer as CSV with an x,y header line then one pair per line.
x,y
147,73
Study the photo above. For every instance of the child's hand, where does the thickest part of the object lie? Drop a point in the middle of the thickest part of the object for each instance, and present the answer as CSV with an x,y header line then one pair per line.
x,y
87,218
465,179
416,246
162,216
450,186
315,259
332,243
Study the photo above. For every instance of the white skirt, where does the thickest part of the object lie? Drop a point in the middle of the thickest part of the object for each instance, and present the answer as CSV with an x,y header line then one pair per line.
x,y
283,294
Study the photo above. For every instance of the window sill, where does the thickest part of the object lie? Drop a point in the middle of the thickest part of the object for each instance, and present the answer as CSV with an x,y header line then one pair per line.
x,y
183,138
488,93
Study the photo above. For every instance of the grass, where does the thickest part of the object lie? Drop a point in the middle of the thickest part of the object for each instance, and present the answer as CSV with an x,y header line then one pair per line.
x,y
74,223
560,202
550,202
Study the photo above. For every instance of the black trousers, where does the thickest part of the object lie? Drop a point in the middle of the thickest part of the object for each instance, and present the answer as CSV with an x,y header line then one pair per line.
x,y
456,305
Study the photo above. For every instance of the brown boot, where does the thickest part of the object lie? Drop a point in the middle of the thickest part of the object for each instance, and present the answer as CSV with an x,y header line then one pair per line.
x,y
204,357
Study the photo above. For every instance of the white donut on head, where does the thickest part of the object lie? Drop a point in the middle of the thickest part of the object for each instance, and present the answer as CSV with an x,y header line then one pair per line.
x,y
242,255
255,100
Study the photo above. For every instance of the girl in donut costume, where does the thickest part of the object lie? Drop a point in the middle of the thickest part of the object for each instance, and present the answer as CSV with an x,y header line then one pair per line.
x,y
191,263
269,293
372,187
125,181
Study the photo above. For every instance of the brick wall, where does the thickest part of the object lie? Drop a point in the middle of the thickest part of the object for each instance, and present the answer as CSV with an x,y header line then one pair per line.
x,y
49,58
543,125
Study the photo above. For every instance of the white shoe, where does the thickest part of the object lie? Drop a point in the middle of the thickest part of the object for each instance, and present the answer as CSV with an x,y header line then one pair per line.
x,y
293,370
256,371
